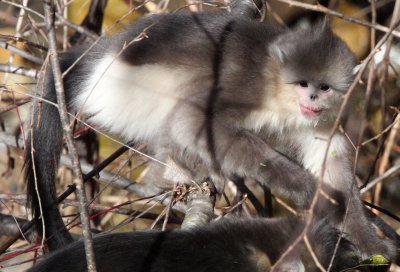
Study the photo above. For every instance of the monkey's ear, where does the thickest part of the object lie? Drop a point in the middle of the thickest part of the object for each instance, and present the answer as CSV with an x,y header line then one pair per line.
x,y
278,50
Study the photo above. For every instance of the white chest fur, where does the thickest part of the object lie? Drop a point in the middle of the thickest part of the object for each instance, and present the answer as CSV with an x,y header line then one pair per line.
x,y
131,101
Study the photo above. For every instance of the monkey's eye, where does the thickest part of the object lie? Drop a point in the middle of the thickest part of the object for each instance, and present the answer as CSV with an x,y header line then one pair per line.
x,y
303,84
324,87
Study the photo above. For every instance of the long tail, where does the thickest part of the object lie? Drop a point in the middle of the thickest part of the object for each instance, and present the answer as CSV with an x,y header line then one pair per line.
x,y
42,156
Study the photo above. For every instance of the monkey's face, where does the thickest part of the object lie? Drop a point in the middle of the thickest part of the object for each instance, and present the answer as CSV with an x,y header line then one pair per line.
x,y
316,100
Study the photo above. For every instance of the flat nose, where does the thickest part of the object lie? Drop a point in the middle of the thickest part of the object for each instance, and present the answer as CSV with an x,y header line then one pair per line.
x,y
313,97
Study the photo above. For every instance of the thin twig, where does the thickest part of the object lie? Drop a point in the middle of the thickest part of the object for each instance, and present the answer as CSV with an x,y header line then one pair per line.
x,y
167,215
384,75
20,52
22,40
370,86
23,7
388,128
77,28
23,71
78,177
11,226
322,9
118,209
312,253
394,170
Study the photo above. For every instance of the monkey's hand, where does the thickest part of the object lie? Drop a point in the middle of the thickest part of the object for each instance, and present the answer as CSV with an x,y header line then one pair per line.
x,y
250,157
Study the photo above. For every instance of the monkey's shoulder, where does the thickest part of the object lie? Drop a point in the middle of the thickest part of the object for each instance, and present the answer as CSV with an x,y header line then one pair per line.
x,y
177,38
211,24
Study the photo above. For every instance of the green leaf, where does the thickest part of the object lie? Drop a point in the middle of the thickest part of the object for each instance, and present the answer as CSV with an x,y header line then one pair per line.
x,y
376,260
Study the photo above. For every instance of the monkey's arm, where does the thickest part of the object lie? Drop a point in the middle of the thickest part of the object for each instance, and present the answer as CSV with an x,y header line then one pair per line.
x,y
350,211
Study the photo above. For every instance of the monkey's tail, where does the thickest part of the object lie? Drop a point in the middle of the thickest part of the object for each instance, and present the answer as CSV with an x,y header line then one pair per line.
x,y
42,154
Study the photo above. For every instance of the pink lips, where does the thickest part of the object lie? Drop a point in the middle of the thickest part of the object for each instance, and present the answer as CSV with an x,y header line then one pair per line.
x,y
310,110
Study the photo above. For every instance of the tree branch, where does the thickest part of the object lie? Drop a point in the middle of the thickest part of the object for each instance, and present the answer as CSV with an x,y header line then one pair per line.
x,y
78,177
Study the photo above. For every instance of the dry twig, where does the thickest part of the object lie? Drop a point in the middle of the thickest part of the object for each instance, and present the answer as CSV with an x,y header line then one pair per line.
x,y
78,177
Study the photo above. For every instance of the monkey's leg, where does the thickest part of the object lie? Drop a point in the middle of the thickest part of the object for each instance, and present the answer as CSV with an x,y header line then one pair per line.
x,y
339,175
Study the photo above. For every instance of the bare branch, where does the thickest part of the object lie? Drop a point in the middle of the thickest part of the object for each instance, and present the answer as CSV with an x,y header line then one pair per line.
x,y
23,71
200,206
322,9
20,52
78,177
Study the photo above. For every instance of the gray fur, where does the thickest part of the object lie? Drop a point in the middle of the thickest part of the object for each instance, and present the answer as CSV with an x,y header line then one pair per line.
x,y
228,245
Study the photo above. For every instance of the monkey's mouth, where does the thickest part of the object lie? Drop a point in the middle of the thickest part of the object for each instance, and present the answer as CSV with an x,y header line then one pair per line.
x,y
310,111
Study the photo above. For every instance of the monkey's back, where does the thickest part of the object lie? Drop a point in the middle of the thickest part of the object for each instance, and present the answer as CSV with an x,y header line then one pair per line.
x,y
162,62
